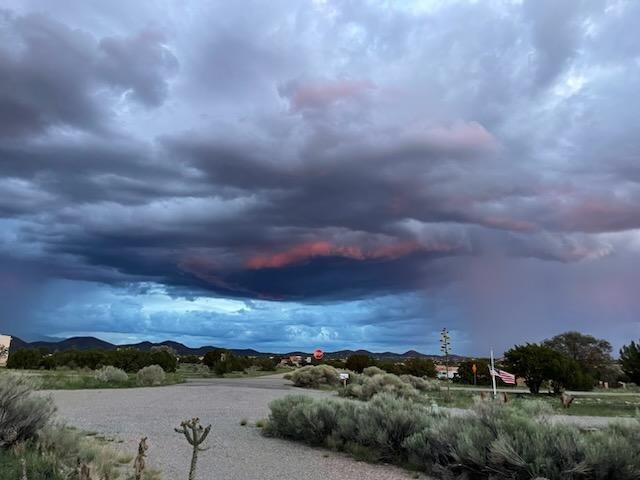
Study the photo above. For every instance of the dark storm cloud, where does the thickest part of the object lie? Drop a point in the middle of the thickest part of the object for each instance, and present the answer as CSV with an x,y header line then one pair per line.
x,y
54,75
318,152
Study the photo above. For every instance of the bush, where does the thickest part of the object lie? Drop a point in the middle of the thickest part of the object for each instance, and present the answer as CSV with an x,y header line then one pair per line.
x,y
111,374
371,371
375,429
22,414
364,387
315,376
421,384
495,441
151,375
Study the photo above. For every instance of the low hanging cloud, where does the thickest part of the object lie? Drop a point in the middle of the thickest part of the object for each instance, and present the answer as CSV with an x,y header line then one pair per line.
x,y
331,153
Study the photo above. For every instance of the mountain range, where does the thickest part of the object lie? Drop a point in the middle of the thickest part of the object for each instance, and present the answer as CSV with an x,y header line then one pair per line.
x,y
89,343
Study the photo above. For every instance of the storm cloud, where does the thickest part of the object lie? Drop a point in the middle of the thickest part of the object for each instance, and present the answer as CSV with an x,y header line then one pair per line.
x,y
399,168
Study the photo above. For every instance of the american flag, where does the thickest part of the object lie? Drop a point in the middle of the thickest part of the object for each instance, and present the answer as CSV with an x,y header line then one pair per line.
x,y
506,377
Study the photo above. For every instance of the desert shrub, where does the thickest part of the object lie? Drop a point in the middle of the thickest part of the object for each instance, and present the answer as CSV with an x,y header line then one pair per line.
x,y
371,371
111,374
612,453
374,430
384,423
22,414
194,368
494,441
151,375
364,387
315,376
421,384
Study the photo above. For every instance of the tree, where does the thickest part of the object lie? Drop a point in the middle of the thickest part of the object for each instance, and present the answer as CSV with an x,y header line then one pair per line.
x,y
358,363
420,367
214,356
537,363
593,354
533,362
189,359
25,358
465,371
165,359
630,361
4,352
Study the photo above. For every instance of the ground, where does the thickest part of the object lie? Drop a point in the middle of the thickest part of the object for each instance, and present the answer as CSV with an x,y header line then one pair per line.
x,y
237,452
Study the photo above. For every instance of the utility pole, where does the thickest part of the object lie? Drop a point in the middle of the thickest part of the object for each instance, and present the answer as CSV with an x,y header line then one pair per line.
x,y
445,348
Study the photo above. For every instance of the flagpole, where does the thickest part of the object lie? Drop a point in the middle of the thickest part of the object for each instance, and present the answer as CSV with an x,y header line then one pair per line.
x,y
493,376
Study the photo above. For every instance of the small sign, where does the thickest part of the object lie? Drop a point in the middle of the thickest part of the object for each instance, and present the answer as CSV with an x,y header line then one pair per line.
x,y
344,376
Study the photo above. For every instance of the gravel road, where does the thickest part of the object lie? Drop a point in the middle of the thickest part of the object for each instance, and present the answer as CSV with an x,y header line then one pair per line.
x,y
237,453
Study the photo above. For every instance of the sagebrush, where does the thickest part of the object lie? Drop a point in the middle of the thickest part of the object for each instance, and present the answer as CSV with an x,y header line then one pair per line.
x,y
315,376
22,413
151,375
493,441
111,374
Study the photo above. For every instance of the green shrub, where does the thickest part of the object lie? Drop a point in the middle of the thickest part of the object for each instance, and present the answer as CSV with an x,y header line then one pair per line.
x,y
364,387
421,384
151,375
371,371
495,441
22,414
315,376
111,374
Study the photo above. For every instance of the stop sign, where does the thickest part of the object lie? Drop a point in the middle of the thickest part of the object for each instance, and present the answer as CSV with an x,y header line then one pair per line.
x,y
318,354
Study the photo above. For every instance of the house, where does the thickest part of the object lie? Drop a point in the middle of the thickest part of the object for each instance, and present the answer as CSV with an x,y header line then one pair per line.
x,y
441,372
5,342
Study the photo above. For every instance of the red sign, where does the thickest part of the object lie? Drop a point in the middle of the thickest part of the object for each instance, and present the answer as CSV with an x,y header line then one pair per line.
x,y
318,354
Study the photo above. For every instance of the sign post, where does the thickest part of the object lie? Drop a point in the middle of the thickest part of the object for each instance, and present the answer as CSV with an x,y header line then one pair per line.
x,y
493,376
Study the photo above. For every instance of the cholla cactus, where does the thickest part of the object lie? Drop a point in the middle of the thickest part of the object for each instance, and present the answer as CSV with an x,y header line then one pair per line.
x,y
195,435
139,463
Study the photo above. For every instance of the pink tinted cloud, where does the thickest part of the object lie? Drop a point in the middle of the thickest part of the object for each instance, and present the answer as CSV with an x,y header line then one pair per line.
x,y
324,93
306,251
460,136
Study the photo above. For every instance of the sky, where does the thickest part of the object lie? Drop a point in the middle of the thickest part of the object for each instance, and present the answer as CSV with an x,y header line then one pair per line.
x,y
291,175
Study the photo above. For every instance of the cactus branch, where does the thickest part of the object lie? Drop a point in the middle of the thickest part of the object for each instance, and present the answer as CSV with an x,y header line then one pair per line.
x,y
195,435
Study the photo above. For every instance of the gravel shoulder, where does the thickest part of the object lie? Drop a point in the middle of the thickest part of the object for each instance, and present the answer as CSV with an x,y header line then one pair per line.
x,y
237,452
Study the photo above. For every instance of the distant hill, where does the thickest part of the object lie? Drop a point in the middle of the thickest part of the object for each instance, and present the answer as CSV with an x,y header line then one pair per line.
x,y
89,343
